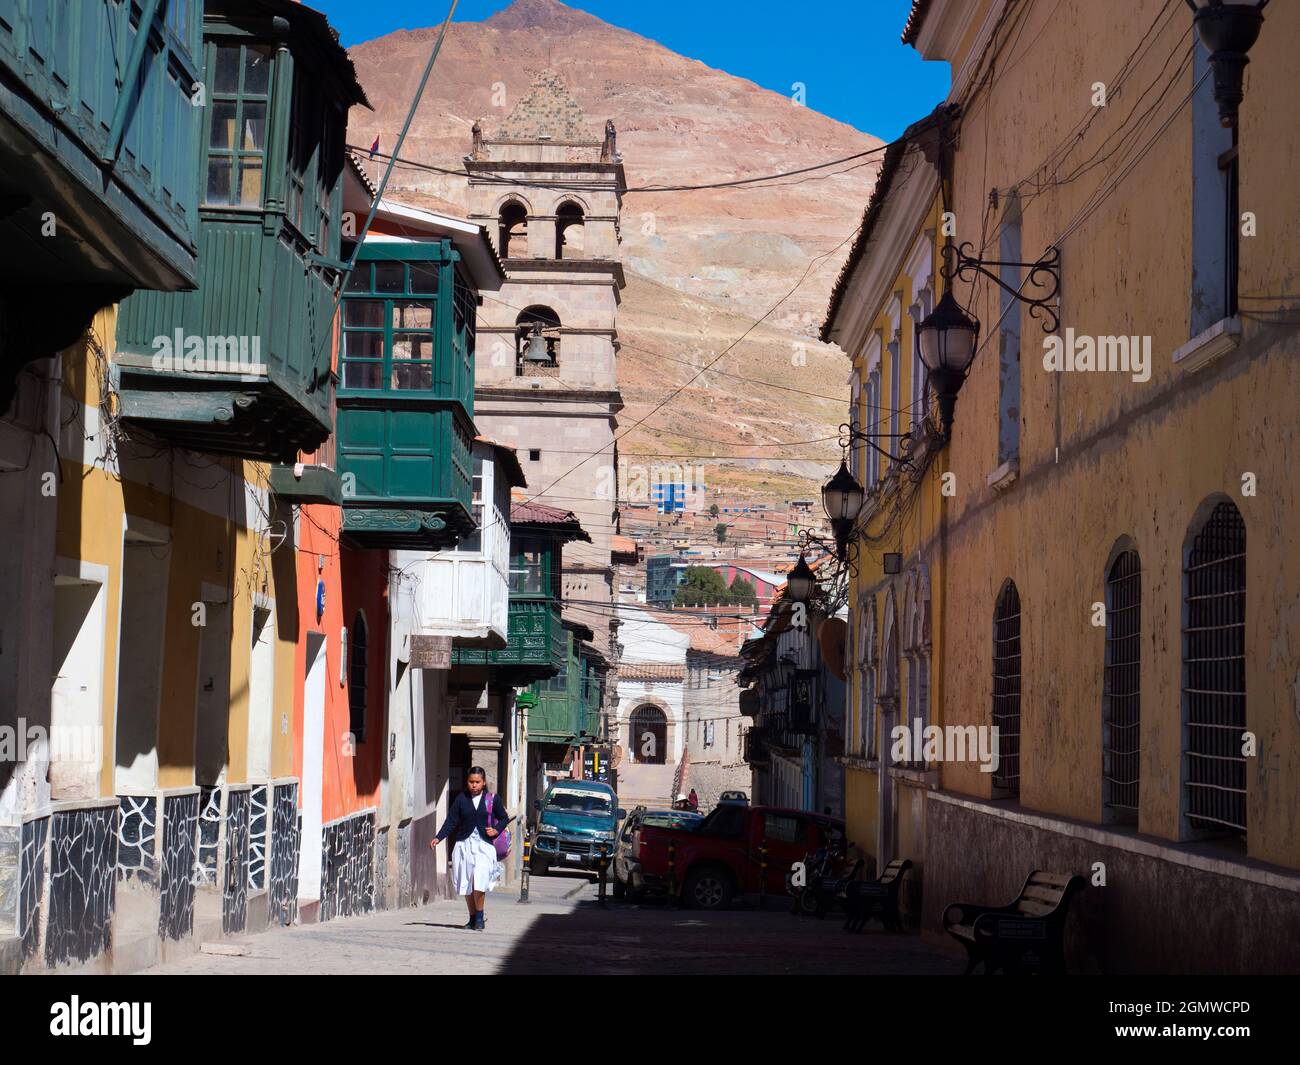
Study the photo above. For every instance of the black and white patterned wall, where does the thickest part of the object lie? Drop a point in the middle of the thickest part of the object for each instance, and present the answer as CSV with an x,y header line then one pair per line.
x,y
178,868
11,849
32,882
282,882
209,834
404,864
257,825
381,869
347,867
234,896
137,838
83,863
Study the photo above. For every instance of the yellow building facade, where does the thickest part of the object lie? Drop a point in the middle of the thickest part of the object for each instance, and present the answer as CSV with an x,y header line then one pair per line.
x,y
1112,580
890,283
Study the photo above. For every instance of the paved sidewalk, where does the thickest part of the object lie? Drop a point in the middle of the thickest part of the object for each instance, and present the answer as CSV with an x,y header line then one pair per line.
x,y
541,936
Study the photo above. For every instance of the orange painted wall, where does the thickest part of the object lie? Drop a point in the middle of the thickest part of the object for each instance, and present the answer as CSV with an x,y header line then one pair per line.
x,y
354,580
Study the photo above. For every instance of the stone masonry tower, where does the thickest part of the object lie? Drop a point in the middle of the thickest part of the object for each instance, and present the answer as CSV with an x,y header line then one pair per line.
x,y
546,370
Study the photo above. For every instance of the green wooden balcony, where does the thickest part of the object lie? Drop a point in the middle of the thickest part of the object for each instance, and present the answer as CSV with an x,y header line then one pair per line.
x,y
535,644
243,365
98,163
561,713
405,405
308,484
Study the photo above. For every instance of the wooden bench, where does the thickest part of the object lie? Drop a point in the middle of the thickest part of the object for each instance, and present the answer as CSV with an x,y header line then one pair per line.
x,y
829,892
1026,935
878,897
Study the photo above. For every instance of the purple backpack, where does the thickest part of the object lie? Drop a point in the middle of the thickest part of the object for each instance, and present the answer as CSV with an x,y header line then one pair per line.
x,y
501,841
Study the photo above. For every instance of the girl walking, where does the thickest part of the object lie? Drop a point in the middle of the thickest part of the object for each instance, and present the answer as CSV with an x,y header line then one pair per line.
x,y
473,822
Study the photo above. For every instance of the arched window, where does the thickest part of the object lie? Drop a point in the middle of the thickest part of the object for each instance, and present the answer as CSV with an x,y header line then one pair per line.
x,y
1214,673
916,645
357,668
1121,691
867,680
649,739
512,234
1006,689
569,232
536,321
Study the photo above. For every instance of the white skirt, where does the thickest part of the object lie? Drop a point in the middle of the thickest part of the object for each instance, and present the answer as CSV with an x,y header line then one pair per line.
x,y
474,865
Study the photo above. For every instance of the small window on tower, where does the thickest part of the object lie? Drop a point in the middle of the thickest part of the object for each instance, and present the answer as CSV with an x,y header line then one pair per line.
x,y
534,455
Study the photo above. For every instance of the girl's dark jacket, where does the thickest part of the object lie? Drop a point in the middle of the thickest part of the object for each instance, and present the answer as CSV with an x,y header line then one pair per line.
x,y
462,818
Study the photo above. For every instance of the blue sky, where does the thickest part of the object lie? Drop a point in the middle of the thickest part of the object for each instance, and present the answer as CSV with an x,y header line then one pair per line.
x,y
846,52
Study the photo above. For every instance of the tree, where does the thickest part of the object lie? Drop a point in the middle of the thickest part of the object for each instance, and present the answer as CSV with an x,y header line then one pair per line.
x,y
742,591
720,531
713,510
702,587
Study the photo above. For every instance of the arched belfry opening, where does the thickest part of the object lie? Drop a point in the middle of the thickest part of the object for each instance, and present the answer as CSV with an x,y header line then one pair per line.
x,y
569,231
537,340
512,234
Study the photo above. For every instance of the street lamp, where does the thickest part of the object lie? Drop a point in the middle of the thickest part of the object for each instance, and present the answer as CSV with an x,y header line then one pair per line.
x,y
947,340
842,497
1228,28
799,581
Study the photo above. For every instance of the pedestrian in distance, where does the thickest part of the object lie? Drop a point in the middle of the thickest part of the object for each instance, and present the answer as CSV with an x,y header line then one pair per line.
x,y
693,800
475,819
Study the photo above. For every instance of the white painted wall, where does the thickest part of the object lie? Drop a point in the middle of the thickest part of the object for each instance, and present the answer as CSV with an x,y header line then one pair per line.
x,y
313,768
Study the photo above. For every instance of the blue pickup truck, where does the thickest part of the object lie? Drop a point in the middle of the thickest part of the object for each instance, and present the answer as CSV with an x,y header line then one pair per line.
x,y
576,828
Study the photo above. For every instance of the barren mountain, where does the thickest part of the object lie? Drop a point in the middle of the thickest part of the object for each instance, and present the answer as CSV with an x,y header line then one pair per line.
x,y
702,265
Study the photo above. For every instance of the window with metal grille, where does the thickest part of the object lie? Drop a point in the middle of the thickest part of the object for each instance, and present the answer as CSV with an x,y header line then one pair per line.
x,y
1121,691
1214,674
358,666
1006,689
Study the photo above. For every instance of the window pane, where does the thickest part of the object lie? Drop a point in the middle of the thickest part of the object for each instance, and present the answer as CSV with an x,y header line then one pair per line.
x,y
223,125
226,75
359,279
363,345
416,376
218,181
364,312
250,181
424,279
257,70
412,346
362,375
253,136
390,277
474,541
413,316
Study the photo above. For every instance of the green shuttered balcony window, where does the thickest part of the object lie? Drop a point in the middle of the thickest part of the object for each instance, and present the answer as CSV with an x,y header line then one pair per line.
x,y
243,364
405,402
241,95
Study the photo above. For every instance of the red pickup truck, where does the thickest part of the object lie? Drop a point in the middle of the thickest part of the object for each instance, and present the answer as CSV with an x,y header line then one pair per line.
x,y
720,857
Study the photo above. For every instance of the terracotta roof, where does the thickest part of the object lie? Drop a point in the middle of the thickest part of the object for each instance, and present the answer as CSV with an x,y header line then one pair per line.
x,y
360,172
884,183
528,512
915,18
703,638
650,671
623,545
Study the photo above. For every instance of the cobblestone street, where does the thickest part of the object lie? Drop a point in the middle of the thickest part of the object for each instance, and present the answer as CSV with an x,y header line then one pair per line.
x,y
563,930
